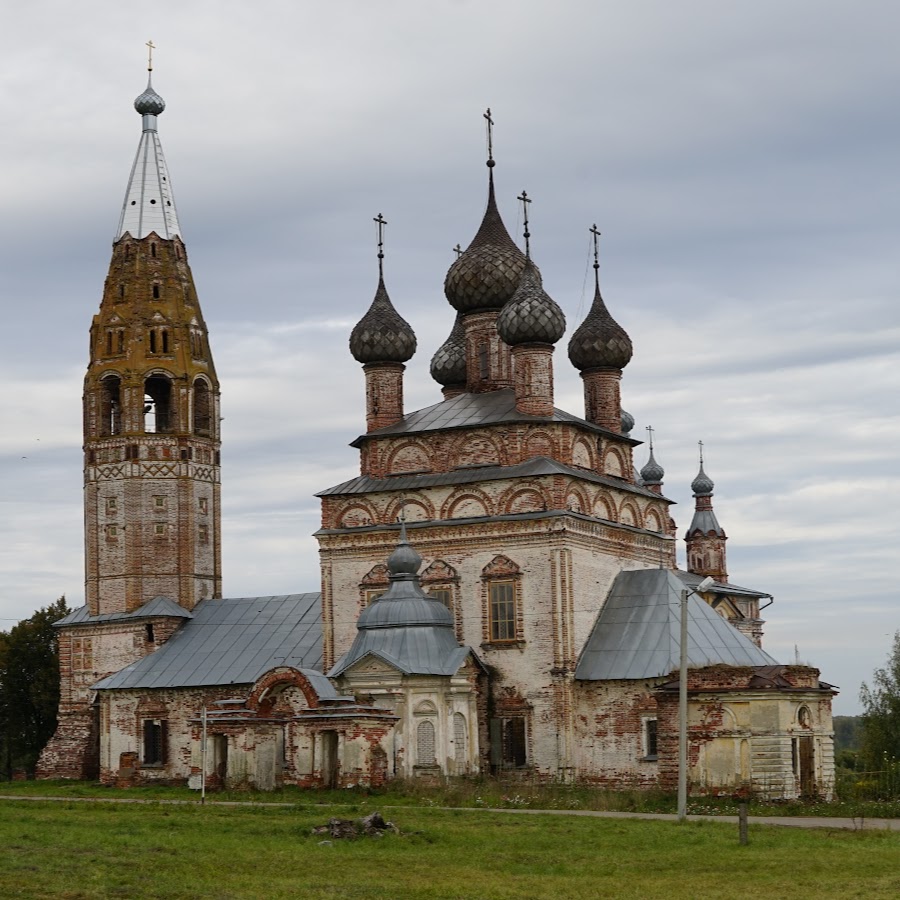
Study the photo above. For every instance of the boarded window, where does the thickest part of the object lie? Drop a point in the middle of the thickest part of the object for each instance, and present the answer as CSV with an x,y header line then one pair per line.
x,y
202,408
460,741
425,744
651,747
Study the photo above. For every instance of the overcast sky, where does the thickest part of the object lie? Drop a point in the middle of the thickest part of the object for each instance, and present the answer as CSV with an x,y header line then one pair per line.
x,y
740,159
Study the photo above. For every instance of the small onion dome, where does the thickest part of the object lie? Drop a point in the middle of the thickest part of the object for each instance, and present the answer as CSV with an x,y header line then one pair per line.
x,y
653,472
448,365
487,274
149,103
702,485
404,560
600,341
382,334
627,423
531,316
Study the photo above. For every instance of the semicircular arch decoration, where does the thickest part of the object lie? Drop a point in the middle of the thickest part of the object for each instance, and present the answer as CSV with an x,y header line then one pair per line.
x,y
415,508
582,454
467,503
522,500
357,514
577,500
408,456
538,443
478,449
604,508
653,521
629,514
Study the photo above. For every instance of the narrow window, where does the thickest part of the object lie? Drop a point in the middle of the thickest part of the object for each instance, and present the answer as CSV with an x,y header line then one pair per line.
x,y
203,504
120,340
122,288
164,333
651,747
110,414
153,340
148,628
483,361
202,408
109,343
160,529
112,505
460,741
159,502
203,533
153,250
156,292
441,593
155,741
502,610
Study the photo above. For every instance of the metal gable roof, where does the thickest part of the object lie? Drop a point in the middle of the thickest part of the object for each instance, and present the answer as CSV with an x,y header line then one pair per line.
x,y
231,641
637,633
466,410
158,606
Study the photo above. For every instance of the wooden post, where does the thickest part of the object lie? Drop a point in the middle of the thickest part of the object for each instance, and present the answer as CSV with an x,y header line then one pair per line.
x,y
742,823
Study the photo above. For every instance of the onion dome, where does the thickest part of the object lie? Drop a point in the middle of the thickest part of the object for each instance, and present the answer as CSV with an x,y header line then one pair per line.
x,y
653,472
600,341
702,485
486,275
531,316
149,103
627,423
404,560
382,334
448,365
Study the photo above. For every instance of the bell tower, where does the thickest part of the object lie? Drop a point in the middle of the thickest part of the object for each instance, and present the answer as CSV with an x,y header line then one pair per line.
x,y
151,409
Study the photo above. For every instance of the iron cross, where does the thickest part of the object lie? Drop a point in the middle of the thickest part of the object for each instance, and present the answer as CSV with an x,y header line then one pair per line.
x,y
150,48
525,201
490,134
593,230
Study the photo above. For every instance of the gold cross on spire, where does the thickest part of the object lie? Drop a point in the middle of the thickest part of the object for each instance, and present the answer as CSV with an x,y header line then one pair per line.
x,y
150,48
525,201
380,222
490,136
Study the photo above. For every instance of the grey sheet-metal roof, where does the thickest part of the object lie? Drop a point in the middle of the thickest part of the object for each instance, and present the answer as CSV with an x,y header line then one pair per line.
x,y
532,468
158,606
720,587
468,410
232,641
637,634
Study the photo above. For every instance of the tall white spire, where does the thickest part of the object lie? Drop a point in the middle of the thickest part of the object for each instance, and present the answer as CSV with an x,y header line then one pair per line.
x,y
149,204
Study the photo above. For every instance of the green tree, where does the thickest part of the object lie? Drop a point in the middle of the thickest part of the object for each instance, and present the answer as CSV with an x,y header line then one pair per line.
x,y
881,716
29,687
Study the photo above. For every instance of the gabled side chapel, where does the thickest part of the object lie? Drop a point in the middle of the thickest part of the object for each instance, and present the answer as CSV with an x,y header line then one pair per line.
x,y
499,586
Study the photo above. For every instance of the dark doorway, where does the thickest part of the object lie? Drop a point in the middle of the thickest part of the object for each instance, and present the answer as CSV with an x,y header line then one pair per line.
x,y
329,759
807,758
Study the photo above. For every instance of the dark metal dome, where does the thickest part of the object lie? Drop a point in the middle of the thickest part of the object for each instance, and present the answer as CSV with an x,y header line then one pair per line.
x,y
149,103
702,485
627,422
599,342
653,472
531,316
487,274
382,334
448,365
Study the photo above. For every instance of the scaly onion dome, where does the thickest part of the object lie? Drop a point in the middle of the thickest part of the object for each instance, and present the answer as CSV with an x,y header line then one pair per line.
x,y
382,334
653,472
531,316
448,365
702,485
487,274
627,421
600,341
149,103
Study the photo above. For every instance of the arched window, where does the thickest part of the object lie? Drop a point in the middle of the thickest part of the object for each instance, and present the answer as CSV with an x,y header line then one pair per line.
x,y
110,405
502,585
202,408
425,743
158,408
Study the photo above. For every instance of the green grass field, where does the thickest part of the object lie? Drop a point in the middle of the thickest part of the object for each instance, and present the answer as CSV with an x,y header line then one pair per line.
x,y
98,850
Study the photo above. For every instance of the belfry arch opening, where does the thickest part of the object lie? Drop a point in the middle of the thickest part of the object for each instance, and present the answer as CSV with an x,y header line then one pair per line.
x,y
158,407
202,408
111,405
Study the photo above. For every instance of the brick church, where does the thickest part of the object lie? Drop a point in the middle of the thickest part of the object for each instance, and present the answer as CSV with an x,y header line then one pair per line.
x,y
499,587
